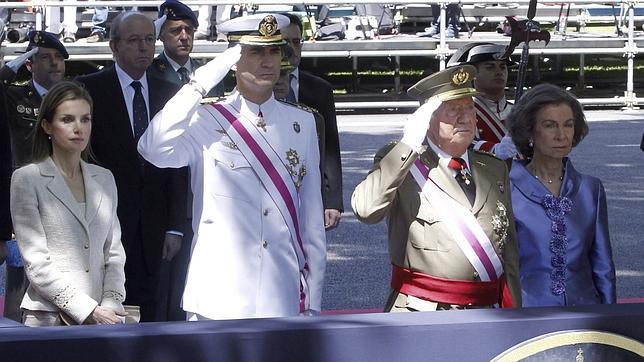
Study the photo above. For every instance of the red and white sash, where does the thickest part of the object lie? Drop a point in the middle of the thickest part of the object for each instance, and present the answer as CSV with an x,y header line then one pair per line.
x,y
490,125
463,226
272,173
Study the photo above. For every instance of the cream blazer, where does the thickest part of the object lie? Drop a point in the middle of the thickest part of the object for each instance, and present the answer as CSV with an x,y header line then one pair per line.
x,y
73,258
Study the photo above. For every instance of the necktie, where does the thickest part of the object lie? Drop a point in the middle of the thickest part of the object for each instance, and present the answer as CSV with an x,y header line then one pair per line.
x,y
139,111
184,76
291,91
464,180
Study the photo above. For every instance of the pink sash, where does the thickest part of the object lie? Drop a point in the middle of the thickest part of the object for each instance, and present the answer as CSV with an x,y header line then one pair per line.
x,y
462,224
274,176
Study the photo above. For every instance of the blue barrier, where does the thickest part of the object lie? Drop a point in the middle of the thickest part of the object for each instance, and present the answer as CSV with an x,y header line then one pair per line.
x,y
468,335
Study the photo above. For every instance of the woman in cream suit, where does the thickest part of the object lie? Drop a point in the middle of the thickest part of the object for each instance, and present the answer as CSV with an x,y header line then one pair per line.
x,y
64,217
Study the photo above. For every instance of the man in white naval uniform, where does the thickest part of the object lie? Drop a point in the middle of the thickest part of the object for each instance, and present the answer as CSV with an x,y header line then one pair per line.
x,y
259,248
492,106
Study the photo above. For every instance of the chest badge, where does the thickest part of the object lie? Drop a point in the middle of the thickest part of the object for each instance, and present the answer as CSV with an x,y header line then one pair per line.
x,y
296,127
297,174
501,187
20,108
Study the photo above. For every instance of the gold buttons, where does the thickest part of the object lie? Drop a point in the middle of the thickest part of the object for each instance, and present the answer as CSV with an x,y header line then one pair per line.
x,y
265,244
86,245
403,157
232,164
265,212
87,270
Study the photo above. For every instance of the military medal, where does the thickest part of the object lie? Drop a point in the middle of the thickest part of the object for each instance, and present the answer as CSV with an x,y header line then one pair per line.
x,y
296,127
20,108
500,224
260,122
464,176
297,175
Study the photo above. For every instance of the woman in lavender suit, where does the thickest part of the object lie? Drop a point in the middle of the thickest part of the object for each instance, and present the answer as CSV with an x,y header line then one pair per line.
x,y
561,216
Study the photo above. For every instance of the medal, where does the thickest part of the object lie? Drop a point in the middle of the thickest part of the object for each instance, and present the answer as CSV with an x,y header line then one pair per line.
x,y
261,124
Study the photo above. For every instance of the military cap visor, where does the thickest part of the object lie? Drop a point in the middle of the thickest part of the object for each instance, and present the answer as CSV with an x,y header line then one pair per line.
x,y
43,39
256,29
475,53
176,10
448,84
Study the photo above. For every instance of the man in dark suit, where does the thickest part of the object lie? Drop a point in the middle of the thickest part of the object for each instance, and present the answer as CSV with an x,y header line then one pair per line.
x,y
45,59
176,28
151,205
317,93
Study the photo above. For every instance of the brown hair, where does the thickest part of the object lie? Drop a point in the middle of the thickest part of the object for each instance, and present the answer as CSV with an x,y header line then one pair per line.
x,y
58,94
523,115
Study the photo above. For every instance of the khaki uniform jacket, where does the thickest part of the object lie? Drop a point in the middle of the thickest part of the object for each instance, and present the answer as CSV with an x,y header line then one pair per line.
x,y
418,238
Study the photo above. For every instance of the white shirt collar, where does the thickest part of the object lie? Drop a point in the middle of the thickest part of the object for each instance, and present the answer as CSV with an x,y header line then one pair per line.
x,y
126,80
444,158
250,109
40,89
176,65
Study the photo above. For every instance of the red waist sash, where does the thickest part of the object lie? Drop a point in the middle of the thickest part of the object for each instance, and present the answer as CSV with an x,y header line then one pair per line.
x,y
450,291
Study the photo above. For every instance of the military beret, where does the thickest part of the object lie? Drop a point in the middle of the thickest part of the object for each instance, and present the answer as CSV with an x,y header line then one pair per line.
x,y
449,83
43,39
475,53
256,29
176,10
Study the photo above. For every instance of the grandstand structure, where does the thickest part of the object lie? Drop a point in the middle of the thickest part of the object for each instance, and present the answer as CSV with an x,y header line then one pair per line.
x,y
411,13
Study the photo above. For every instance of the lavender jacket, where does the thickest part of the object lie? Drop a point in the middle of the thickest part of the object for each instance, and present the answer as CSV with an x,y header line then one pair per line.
x,y
564,246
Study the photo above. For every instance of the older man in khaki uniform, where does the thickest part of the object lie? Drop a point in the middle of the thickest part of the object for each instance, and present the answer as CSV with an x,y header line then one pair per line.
x,y
452,240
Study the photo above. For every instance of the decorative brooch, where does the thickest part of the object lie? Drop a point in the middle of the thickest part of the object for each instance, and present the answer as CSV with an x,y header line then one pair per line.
x,y
556,208
297,174
500,224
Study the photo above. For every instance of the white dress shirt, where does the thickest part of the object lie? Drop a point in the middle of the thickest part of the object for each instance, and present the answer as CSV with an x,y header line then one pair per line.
x,y
128,92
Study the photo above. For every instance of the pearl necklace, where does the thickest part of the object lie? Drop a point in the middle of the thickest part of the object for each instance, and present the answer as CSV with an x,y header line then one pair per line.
x,y
548,180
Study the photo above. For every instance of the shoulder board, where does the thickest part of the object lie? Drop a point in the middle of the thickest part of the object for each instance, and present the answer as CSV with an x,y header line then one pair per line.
x,y
300,106
486,153
387,148
209,100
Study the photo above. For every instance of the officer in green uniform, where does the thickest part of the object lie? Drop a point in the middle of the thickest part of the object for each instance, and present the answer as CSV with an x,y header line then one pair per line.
x,y
45,59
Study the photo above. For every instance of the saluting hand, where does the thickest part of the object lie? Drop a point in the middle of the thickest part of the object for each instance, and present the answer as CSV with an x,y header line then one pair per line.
x,y
215,70
418,123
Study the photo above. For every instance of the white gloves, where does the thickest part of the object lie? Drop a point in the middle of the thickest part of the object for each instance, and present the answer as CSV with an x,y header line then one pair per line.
x,y
506,148
418,123
158,24
215,70
19,61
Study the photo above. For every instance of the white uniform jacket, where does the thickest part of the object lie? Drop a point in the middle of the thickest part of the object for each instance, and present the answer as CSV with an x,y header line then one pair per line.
x,y
73,257
243,262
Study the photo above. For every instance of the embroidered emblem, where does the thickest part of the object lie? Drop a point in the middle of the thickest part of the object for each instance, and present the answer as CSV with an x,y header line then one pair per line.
x,y
162,67
30,93
296,127
20,108
500,224
501,187
297,175
460,77
37,38
268,26
261,124
28,110
230,145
